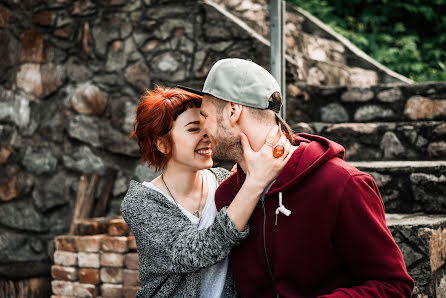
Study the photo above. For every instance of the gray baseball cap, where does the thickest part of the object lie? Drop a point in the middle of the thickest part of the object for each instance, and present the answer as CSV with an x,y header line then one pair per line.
x,y
240,81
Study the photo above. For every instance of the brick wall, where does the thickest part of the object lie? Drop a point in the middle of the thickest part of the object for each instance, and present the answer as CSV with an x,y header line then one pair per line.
x,y
100,260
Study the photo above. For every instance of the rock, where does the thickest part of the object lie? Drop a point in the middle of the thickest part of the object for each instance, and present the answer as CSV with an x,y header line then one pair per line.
x,y
5,152
357,95
104,32
88,100
52,194
8,52
144,173
40,80
121,185
53,128
422,178
21,215
17,111
83,8
421,142
429,190
85,161
8,190
77,72
33,48
149,46
43,18
39,160
316,77
422,108
391,146
440,130
437,149
138,76
85,129
334,112
4,18
381,179
353,128
390,95
303,127
130,114
116,58
16,247
170,66
373,112
102,135
360,77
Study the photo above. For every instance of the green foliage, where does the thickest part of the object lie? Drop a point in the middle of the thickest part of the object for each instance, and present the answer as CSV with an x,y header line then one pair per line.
x,y
407,36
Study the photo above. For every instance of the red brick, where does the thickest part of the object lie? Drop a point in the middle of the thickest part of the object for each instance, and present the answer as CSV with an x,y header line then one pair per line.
x,y
65,258
129,291
111,291
111,275
118,227
88,260
131,242
62,288
114,244
63,273
94,226
89,243
85,290
130,278
66,243
89,276
131,261
111,259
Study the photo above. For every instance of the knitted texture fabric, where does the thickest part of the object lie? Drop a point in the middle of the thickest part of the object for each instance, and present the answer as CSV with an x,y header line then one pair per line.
x,y
171,249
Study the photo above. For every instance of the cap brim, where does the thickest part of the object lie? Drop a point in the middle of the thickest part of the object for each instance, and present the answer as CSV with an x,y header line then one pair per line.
x,y
198,92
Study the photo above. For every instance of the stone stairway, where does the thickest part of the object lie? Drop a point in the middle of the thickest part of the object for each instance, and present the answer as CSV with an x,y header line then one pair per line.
x,y
406,155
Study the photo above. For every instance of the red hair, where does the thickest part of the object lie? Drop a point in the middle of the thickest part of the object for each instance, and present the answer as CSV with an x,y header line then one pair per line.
x,y
156,112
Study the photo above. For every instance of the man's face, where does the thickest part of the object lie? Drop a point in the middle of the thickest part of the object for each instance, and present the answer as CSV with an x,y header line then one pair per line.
x,y
225,143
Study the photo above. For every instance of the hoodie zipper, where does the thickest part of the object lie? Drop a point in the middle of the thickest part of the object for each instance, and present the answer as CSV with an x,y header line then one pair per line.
x,y
264,245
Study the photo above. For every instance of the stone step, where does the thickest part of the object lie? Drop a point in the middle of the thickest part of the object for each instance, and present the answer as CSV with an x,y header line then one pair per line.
x,y
409,186
422,240
386,103
424,140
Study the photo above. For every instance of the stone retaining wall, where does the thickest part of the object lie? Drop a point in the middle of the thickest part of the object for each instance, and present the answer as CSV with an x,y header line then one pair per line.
x,y
384,140
383,103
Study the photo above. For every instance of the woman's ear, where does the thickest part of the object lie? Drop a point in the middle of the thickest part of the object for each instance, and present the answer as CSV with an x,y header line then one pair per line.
x,y
161,145
235,110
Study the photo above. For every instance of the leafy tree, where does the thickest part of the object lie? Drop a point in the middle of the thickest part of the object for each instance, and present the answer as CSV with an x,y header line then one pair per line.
x,y
407,36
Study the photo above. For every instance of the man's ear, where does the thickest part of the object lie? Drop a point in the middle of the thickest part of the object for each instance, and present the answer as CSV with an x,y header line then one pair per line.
x,y
235,111
161,145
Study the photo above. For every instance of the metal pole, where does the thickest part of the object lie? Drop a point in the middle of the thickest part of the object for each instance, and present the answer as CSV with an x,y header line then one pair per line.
x,y
277,54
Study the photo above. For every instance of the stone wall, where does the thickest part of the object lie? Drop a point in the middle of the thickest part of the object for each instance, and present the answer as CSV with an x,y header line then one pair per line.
x,y
323,56
384,122
71,75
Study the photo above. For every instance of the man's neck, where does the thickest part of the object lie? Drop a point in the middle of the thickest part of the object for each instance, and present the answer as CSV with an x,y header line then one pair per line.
x,y
256,140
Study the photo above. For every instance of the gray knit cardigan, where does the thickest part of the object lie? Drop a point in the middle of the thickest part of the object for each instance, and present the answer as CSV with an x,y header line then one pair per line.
x,y
171,249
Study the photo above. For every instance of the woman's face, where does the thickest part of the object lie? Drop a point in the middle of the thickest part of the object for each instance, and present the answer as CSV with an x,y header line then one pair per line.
x,y
191,146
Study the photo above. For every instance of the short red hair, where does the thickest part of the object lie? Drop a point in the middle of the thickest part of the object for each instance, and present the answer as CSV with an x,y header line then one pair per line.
x,y
156,112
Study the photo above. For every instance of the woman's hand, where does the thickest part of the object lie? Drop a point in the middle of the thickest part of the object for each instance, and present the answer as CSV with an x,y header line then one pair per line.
x,y
262,166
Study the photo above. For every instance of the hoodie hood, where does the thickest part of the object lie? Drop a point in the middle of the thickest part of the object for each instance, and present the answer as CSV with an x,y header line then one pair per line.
x,y
313,151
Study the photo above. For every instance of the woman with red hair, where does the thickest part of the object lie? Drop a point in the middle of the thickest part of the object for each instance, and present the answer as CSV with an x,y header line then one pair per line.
x,y
182,241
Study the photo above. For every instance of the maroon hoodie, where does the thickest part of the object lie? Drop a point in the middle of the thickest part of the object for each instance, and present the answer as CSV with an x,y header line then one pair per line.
x,y
335,242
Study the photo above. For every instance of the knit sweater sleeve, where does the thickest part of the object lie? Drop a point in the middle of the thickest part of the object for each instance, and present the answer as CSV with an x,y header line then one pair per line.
x,y
167,241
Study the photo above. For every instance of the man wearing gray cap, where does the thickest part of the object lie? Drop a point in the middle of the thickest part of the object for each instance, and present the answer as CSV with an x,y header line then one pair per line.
x,y
319,229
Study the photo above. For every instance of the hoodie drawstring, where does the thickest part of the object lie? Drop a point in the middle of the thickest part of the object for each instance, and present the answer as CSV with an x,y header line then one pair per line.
x,y
282,208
